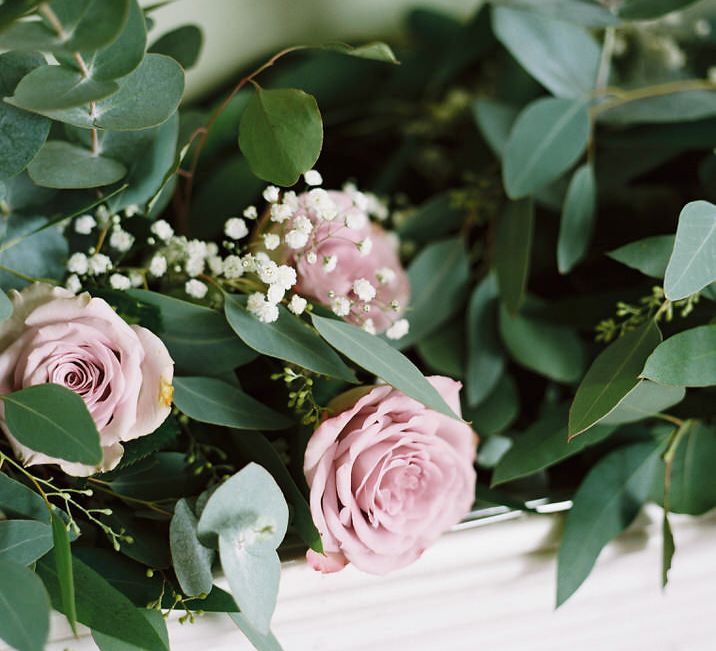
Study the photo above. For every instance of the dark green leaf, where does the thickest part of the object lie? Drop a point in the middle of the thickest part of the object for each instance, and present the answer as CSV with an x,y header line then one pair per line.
x,y
605,504
376,51
156,620
199,339
50,88
90,24
190,559
381,359
678,106
562,56
145,446
692,265
645,9
17,500
289,339
163,476
444,351
64,166
439,274
102,607
24,608
667,549
499,409
437,217
650,255
495,120
547,139
693,489
551,350
209,400
513,248
281,134
51,419
686,359
183,44
22,134
578,212
543,445
485,362
612,375
644,400
24,541
63,567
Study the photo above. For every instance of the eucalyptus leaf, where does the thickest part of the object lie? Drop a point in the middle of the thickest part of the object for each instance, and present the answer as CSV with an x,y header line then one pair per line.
x,y
281,134
6,307
646,9
612,375
199,339
437,217
63,566
546,140
685,359
551,350
375,51
190,559
644,400
53,420
649,255
381,359
513,250
692,264
108,643
22,134
692,489
289,339
543,445
679,106
578,212
90,24
24,541
495,120
499,409
581,12
440,272
562,56
24,608
606,503
64,166
445,351
210,400
668,549
485,361
261,641
17,500
182,44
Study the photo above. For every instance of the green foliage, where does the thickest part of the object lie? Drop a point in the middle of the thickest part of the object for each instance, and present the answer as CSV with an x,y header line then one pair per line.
x,y
190,559
209,400
17,500
650,255
63,567
182,44
686,359
24,541
108,643
513,245
644,400
281,134
605,504
499,409
24,608
644,9
64,166
578,211
382,360
5,306
376,51
51,419
692,488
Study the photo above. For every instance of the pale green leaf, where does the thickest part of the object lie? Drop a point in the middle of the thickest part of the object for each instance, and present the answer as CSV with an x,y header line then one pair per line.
x,y
685,359
693,489
190,559
644,400
63,566
495,120
646,9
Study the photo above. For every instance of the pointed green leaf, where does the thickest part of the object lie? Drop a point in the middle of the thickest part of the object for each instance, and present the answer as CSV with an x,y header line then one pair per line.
x,y
693,489
262,641
612,375
209,400
190,559
686,359
692,264
646,9
64,166
24,608
606,503
578,212
499,409
678,106
649,255
546,140
644,400
24,541
51,419
17,500
281,134
667,549
562,56
485,361
495,120
155,618
513,249
376,51
289,339
376,356
63,567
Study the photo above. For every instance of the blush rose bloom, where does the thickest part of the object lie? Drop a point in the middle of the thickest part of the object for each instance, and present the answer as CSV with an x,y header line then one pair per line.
x,y
122,372
340,238
388,476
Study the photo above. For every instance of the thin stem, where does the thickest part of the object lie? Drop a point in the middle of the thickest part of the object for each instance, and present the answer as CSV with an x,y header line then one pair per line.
x,y
671,419
605,60
29,279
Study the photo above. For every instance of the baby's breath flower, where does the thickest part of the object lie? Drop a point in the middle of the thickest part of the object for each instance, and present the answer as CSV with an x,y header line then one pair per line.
x,y
321,203
369,326
271,194
99,264
313,177
356,220
132,210
365,246
364,290
158,266
119,281
275,293
267,270
78,264
162,230
296,239
271,241
121,240
216,264
236,228
329,263
136,279
85,224
233,267
102,214
251,212
297,304
195,288
385,275
311,257
280,212
398,330
340,306
303,224
285,276
194,266
73,283
262,309
290,199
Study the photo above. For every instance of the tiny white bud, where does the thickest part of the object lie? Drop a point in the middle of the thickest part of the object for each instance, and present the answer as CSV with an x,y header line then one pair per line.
x,y
398,330
365,246
162,229
131,210
341,306
195,288
311,257
85,224
385,275
250,212
369,326
99,264
364,290
296,239
271,241
271,194
73,283
78,264
236,228
233,267
119,281
121,240
313,177
136,279
297,304
158,266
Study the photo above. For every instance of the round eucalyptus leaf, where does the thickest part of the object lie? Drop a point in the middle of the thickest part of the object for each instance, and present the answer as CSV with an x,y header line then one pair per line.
x,y
56,87
63,165
182,44
281,134
90,24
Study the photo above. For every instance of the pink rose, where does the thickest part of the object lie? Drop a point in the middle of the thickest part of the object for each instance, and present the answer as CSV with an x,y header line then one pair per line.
x,y
388,476
122,372
345,249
